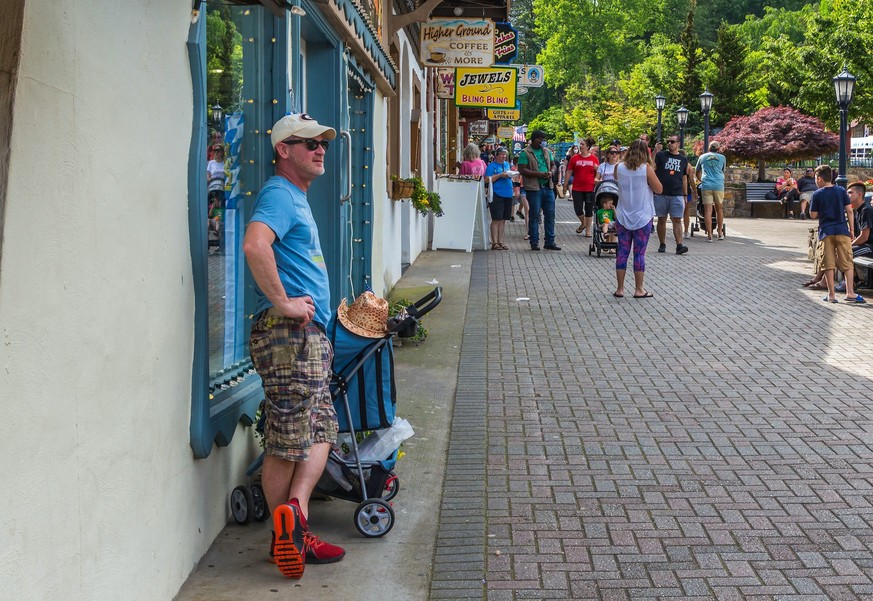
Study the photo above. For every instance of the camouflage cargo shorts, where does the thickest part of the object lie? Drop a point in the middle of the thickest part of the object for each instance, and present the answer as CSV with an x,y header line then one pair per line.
x,y
294,363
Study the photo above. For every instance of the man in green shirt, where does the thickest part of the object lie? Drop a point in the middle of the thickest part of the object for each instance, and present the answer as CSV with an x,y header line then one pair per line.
x,y
537,164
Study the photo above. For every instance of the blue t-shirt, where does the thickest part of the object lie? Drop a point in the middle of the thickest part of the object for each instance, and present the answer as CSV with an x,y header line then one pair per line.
x,y
830,203
712,166
283,207
502,186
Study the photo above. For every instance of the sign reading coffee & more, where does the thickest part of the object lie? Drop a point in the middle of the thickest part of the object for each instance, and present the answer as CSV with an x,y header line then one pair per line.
x,y
457,43
489,88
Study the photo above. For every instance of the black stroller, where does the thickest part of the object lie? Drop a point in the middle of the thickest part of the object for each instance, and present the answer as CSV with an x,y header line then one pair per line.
x,y
700,223
598,243
364,394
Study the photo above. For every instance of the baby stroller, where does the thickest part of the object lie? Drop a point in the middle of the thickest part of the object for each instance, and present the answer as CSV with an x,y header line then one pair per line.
x,y
364,395
700,223
602,190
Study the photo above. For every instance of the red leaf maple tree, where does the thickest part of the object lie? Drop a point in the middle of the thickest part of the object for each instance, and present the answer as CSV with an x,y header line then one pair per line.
x,y
776,134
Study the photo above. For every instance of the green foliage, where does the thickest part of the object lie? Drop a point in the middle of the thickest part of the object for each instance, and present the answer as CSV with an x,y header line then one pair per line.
x,y
223,60
730,80
552,122
692,55
398,307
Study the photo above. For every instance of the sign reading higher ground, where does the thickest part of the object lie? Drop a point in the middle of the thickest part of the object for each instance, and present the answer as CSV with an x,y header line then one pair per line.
x,y
490,88
457,43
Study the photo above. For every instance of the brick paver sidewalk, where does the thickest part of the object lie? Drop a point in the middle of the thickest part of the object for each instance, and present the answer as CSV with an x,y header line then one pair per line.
x,y
713,442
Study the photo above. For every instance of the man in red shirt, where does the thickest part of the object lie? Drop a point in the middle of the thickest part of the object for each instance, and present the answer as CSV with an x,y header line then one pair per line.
x,y
580,175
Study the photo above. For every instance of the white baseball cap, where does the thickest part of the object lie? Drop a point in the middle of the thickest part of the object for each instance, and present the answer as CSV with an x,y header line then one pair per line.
x,y
300,125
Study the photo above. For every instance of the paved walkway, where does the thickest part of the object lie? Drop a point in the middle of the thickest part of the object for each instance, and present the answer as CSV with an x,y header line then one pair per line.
x,y
713,442
701,444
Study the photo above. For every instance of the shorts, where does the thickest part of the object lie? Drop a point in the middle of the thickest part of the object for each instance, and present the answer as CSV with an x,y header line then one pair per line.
x,y
500,208
837,253
712,197
672,205
294,363
610,227
807,196
583,203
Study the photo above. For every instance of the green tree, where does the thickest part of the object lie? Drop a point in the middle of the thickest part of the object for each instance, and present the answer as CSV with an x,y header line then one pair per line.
x,y
730,83
691,88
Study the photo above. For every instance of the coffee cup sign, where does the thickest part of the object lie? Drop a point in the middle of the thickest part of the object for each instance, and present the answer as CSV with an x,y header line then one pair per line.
x,y
457,43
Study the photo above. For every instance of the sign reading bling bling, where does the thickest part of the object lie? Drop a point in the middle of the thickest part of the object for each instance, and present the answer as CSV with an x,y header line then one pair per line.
x,y
457,43
490,88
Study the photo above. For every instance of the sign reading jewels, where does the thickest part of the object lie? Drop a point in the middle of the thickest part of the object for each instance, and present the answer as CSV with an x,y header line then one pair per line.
x,y
505,43
457,43
490,88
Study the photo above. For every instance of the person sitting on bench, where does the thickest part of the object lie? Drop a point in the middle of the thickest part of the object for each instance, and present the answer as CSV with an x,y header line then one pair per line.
x,y
786,190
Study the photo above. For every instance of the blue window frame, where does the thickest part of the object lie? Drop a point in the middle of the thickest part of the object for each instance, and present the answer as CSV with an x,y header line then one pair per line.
x,y
238,58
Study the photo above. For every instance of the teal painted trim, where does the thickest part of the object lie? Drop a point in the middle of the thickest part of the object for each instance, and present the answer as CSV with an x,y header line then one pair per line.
x,y
218,406
201,440
361,26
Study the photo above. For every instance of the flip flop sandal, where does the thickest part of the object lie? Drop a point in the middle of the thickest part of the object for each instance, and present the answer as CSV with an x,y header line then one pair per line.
x,y
809,283
833,300
646,295
580,229
859,300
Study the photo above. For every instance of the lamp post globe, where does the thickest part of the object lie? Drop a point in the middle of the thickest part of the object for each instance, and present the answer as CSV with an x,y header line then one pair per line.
x,y
217,114
660,102
844,87
705,107
682,120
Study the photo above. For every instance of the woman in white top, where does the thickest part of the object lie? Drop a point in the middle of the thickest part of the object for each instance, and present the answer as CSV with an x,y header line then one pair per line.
x,y
606,170
637,184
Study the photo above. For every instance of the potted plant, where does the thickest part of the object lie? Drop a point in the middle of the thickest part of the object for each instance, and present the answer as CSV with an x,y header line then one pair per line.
x,y
400,188
413,188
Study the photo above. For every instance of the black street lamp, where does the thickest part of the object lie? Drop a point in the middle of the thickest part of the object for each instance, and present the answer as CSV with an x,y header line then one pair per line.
x,y
682,119
660,101
844,86
217,114
705,106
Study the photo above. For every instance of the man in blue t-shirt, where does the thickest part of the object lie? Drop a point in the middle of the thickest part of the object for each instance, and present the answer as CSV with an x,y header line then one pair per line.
x,y
710,173
835,229
288,344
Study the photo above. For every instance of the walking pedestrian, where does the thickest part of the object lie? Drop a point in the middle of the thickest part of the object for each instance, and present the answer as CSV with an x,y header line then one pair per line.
x,y
581,173
289,347
710,174
634,213
472,163
606,170
672,170
537,164
500,178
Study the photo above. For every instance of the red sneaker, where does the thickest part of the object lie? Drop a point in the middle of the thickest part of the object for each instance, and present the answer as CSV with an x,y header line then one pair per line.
x,y
289,548
318,551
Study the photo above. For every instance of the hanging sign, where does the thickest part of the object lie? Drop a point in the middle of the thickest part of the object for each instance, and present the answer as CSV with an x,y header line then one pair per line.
x,y
521,90
505,132
530,76
490,88
505,43
457,43
504,115
479,128
445,83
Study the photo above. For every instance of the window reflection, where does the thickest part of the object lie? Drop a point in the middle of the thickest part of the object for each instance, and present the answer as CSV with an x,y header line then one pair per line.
x,y
226,58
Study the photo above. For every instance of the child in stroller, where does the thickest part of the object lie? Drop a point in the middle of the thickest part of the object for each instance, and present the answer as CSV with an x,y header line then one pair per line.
x,y
606,197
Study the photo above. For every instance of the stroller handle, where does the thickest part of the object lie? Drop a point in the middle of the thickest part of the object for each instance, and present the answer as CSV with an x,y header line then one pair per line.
x,y
426,304
405,324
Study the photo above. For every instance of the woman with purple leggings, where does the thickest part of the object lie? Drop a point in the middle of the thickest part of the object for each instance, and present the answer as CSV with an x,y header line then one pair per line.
x,y
637,183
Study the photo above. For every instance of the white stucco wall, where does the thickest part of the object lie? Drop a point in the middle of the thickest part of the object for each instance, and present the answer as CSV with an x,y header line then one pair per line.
x,y
102,497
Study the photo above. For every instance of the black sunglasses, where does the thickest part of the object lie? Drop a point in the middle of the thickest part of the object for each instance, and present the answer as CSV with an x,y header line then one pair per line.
x,y
672,141
310,143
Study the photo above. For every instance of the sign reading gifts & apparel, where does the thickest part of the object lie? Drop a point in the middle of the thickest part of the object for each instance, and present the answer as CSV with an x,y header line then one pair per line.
x,y
490,88
457,43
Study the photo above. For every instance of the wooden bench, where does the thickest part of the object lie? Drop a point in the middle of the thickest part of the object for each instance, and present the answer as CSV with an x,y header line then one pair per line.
x,y
866,262
756,192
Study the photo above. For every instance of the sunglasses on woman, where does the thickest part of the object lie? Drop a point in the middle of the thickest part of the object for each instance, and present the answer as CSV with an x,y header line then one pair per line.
x,y
310,143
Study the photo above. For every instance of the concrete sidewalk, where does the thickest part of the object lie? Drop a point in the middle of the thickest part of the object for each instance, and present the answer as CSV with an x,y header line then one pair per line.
x,y
397,566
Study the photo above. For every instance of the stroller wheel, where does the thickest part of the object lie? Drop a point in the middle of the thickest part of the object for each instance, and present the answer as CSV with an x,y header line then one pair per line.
x,y
374,518
392,487
241,504
260,512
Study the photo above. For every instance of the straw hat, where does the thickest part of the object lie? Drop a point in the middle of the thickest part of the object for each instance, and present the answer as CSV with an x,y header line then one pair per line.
x,y
367,316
